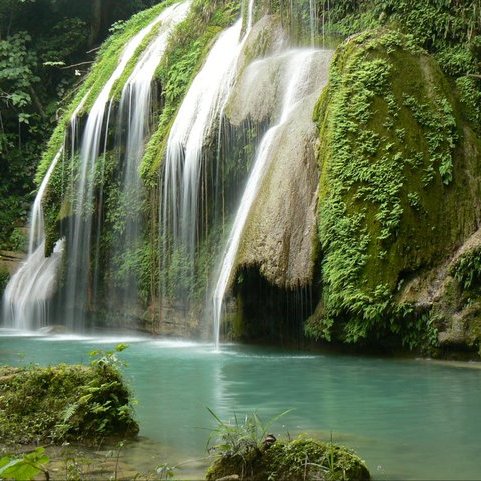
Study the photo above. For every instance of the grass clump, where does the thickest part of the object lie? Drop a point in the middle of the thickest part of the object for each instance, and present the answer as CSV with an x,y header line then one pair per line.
x,y
244,447
65,403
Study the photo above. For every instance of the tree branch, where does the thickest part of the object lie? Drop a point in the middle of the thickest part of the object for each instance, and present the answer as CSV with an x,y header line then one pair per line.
x,y
77,65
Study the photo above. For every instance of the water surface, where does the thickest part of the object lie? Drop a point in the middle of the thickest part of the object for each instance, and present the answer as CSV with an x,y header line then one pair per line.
x,y
409,419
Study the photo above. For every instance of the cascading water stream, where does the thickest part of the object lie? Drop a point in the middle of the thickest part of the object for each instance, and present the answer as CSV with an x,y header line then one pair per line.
x,y
80,228
297,73
135,113
196,120
27,295
25,302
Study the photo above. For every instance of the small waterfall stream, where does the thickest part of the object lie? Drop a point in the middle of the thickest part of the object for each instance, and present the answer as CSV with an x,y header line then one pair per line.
x,y
26,298
297,73
25,302
196,121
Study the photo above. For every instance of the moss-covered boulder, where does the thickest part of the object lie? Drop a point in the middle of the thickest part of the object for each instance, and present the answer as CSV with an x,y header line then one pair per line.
x,y
280,234
399,185
64,403
301,459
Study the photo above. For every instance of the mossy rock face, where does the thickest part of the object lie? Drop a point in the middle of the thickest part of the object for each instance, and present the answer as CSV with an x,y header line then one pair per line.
x,y
399,185
301,459
64,403
280,234
4,278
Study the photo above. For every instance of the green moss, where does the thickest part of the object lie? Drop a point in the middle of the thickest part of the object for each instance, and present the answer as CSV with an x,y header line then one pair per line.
x,y
389,135
4,278
305,458
301,459
64,403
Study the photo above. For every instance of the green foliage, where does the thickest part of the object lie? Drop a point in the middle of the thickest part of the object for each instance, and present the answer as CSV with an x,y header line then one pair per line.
x,y
18,240
240,437
417,330
26,467
469,90
388,134
4,278
467,270
17,63
18,120
65,403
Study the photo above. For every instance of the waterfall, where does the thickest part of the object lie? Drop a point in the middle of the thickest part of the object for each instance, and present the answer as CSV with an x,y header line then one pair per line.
x,y
28,294
297,73
77,295
25,302
135,112
195,122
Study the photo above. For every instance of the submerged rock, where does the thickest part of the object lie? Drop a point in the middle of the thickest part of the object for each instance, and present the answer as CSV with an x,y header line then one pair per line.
x,y
58,329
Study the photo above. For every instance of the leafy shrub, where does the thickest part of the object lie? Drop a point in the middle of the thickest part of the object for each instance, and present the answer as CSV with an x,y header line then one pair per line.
x,y
467,271
61,403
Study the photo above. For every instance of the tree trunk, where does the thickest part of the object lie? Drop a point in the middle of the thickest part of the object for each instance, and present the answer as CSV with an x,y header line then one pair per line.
x,y
96,22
